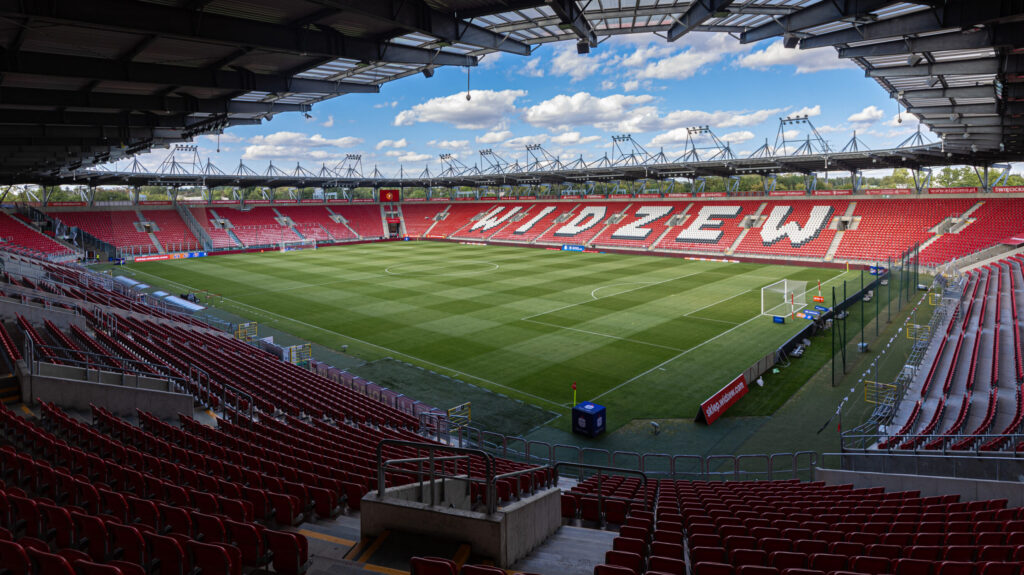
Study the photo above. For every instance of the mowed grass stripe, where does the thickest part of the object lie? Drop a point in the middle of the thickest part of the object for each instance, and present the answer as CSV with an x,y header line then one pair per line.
x,y
444,315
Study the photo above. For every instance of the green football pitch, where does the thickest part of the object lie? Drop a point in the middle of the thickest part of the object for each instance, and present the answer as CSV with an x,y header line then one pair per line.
x,y
649,337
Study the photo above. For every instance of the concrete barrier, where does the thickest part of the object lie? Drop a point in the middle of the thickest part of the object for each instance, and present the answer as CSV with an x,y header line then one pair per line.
x,y
967,489
121,400
506,536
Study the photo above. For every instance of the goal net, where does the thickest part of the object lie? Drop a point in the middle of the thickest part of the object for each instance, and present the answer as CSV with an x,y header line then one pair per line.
x,y
783,297
291,245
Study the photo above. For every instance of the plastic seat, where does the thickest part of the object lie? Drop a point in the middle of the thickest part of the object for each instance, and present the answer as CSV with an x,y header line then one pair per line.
x,y
126,543
632,545
828,562
603,569
432,566
481,570
707,568
569,507
787,559
955,568
90,568
756,570
290,552
669,565
667,549
14,558
250,542
908,566
772,544
708,555
871,565
213,559
625,559
748,557
49,563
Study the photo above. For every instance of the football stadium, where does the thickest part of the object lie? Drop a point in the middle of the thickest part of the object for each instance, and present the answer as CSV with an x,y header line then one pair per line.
x,y
634,341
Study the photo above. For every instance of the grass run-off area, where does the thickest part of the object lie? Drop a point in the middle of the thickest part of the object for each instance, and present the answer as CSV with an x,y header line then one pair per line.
x,y
649,337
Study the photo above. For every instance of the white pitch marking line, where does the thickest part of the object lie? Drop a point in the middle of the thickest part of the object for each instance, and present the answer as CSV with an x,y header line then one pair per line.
x,y
364,342
718,302
597,289
603,335
699,345
496,267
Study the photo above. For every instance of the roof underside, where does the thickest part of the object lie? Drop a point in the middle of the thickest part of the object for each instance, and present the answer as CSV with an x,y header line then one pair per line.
x,y
84,82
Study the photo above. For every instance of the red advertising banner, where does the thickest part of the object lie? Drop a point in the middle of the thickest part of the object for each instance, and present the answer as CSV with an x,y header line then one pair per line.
x,y
833,192
488,197
649,196
394,220
470,199
526,197
152,258
439,199
225,202
155,202
819,299
887,192
257,202
779,193
1008,190
952,190
362,200
594,196
192,202
414,200
311,201
725,398
388,196
64,204
677,195
337,201
286,201
712,195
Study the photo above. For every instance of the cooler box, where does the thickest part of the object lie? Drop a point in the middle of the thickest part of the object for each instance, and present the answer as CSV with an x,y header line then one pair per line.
x,y
588,419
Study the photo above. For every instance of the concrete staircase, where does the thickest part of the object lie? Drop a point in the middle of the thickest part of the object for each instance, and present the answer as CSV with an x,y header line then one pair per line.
x,y
446,210
606,226
343,222
560,220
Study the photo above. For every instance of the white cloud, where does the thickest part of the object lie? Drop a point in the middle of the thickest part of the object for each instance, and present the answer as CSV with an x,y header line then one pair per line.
x,y
391,104
296,146
449,144
577,66
703,50
494,137
903,121
486,110
532,68
582,108
329,123
631,85
392,144
719,118
414,157
487,61
670,138
526,140
868,115
806,61
607,84
808,111
739,137
569,138
827,129
792,135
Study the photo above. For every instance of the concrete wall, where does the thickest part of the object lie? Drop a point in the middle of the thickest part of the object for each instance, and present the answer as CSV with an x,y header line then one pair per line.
x,y
121,400
967,489
506,536
36,314
96,376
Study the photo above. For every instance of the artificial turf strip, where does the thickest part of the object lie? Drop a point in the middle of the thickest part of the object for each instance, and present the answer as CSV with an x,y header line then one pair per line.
x,y
649,337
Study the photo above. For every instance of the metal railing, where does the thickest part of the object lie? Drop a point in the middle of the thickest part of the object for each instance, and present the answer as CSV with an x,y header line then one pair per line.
x,y
600,472
1002,466
432,468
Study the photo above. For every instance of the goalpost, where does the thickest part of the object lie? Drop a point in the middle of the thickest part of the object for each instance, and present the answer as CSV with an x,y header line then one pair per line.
x,y
784,297
291,245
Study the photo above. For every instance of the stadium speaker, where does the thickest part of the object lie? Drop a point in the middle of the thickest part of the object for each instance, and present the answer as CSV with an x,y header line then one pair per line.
x,y
582,47
428,72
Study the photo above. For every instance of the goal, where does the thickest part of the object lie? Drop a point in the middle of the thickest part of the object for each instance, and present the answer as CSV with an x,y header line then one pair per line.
x,y
783,297
291,245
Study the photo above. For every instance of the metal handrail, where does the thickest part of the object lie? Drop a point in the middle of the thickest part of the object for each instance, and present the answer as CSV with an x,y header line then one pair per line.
x,y
648,500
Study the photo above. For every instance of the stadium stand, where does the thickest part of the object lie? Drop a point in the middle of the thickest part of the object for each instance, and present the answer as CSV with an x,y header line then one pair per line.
x,y
888,227
365,220
19,235
586,222
219,237
992,221
116,228
173,234
257,226
710,227
813,220
976,382
539,218
643,226
314,222
459,215
419,218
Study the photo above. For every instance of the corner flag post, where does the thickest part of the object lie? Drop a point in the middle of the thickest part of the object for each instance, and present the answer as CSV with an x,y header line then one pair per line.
x,y
574,393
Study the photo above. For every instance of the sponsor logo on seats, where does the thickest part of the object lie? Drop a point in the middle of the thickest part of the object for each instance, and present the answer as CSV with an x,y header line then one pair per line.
x,y
588,217
776,227
706,228
636,230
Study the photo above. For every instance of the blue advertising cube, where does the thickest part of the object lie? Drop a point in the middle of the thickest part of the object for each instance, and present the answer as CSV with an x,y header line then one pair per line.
x,y
588,419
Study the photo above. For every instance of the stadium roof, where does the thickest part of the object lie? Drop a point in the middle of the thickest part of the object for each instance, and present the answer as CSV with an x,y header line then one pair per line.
x,y
86,82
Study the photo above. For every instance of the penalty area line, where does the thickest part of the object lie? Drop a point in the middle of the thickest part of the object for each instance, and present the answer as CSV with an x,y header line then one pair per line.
x,y
603,335
698,346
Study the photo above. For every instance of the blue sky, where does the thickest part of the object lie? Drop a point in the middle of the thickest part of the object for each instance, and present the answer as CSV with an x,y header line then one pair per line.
x,y
572,105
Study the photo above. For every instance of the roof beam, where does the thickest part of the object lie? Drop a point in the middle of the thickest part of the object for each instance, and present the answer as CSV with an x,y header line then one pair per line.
x,y
982,91
574,19
417,16
973,39
700,11
99,100
35,63
968,129
979,66
954,109
65,118
951,14
815,15
173,22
